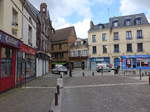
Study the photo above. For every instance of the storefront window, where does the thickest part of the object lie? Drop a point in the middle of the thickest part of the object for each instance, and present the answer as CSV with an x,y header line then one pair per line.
x,y
30,65
137,62
20,66
6,59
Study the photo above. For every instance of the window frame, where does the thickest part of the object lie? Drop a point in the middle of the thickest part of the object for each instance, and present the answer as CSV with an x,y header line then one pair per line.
x,y
140,50
94,51
131,48
139,34
104,49
128,35
104,37
93,38
116,51
116,37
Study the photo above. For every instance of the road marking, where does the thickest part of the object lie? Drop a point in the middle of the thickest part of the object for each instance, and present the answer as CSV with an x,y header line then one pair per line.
x,y
36,87
104,85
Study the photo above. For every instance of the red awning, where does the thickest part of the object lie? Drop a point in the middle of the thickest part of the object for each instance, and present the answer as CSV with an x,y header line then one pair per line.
x,y
27,49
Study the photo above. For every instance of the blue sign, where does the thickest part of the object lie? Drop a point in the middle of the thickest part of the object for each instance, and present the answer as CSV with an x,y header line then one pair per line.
x,y
6,39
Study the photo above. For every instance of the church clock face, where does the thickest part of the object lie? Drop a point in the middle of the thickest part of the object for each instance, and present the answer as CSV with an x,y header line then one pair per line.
x,y
43,9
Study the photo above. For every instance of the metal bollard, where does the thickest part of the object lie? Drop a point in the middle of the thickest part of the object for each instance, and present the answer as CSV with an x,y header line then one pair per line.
x,y
83,74
140,74
149,79
56,99
58,89
102,72
93,74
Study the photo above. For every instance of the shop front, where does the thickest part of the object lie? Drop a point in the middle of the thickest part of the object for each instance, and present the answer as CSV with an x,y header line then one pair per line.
x,y
136,62
8,49
26,63
42,64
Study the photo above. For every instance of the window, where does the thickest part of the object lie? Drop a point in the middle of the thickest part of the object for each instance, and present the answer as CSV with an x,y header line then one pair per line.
x,y
6,59
78,43
140,47
127,22
30,20
128,35
104,49
85,53
14,17
138,21
94,49
129,47
14,31
116,48
116,36
79,53
104,37
101,26
115,24
139,34
30,35
93,38
60,46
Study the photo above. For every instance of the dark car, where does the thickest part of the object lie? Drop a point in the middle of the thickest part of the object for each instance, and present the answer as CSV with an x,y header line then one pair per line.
x,y
60,70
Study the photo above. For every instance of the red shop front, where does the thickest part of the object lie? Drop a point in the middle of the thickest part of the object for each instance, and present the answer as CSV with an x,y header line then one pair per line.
x,y
8,50
26,63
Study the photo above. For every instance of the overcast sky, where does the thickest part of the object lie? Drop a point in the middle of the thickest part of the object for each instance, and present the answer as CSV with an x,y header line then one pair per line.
x,y
79,13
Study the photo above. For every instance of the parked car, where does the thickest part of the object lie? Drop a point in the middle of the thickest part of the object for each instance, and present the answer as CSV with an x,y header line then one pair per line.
x,y
59,70
105,67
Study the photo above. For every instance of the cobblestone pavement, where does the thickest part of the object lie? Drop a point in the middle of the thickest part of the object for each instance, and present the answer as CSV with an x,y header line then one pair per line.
x,y
36,96
105,94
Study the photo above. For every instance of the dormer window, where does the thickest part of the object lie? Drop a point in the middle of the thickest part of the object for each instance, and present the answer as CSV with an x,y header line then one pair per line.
x,y
138,21
101,26
115,24
127,22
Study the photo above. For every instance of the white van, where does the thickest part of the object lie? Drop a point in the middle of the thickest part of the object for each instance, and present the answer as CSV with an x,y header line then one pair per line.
x,y
105,67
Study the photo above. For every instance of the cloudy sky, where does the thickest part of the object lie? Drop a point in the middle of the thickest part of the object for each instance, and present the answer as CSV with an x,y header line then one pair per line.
x,y
79,13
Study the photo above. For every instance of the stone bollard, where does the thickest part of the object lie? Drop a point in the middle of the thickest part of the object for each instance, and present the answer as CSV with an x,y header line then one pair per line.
x,y
93,74
83,74
58,89
60,82
56,99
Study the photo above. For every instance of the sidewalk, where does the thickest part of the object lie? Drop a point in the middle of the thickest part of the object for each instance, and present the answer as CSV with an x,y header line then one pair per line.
x,y
35,96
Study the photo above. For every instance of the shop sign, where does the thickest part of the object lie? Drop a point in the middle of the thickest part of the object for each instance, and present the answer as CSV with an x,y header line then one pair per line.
x,y
139,59
100,59
6,39
26,49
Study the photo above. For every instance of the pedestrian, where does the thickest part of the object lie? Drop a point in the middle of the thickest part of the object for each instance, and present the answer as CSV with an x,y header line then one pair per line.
x,y
82,65
118,69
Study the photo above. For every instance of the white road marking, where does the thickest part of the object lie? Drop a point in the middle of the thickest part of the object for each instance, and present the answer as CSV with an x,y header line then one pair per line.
x,y
87,86
104,85
37,87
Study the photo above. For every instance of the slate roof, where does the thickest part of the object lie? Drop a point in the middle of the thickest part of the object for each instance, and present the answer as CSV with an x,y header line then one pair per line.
x,y
64,34
121,22
35,11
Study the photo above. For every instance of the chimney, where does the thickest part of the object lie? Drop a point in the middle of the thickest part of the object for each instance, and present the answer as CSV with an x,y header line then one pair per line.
x,y
43,8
